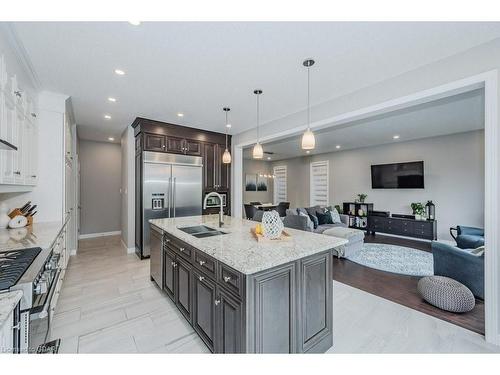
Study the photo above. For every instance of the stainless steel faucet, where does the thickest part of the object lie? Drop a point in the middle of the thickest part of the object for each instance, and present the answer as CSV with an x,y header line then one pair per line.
x,y
221,213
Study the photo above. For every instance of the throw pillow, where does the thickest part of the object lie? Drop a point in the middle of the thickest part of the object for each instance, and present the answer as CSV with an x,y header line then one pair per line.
x,y
325,218
310,223
335,216
314,220
478,251
290,211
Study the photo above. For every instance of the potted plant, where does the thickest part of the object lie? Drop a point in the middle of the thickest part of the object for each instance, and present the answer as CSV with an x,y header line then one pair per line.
x,y
418,210
362,197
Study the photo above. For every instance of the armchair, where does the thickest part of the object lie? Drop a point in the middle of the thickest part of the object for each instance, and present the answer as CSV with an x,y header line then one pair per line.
x,y
468,237
460,264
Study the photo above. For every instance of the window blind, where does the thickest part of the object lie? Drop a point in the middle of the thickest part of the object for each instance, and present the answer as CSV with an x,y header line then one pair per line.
x,y
279,189
319,183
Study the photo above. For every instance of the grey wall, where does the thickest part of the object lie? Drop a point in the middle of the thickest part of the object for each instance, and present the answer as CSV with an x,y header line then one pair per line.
x,y
100,182
257,167
454,177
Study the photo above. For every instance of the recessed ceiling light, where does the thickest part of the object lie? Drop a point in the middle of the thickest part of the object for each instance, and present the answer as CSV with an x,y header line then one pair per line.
x,y
180,114
135,23
337,147
307,152
228,126
107,117
111,139
395,136
268,158
112,99
119,72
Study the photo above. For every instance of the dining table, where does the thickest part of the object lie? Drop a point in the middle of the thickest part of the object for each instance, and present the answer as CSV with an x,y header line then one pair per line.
x,y
266,206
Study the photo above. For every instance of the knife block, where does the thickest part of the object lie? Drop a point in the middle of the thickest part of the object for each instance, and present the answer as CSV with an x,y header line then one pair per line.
x,y
15,212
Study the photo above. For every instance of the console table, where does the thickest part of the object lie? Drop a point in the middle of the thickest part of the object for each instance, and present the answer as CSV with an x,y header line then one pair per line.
x,y
403,227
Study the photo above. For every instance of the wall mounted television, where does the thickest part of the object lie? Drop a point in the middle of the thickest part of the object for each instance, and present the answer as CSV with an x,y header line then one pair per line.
x,y
409,175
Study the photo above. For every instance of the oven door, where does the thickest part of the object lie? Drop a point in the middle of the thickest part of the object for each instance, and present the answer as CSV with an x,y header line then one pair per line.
x,y
40,319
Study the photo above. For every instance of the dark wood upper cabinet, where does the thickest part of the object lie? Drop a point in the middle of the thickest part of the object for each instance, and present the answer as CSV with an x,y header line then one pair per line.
x,y
192,147
154,142
209,167
175,145
223,173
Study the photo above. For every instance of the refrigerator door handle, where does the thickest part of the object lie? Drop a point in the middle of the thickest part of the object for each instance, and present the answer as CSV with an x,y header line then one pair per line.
x,y
174,194
169,191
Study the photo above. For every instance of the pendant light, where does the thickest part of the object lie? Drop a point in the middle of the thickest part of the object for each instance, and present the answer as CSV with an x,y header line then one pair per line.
x,y
226,157
308,141
258,152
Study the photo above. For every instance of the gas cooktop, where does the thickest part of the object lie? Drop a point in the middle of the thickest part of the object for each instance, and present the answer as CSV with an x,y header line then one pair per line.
x,y
14,263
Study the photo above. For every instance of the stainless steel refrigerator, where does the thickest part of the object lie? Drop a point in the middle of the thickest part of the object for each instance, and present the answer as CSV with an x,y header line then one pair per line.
x,y
171,187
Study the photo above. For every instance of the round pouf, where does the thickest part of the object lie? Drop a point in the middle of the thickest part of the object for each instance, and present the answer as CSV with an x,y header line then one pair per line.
x,y
446,293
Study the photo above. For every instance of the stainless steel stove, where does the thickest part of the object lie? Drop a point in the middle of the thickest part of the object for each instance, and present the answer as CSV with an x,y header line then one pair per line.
x,y
35,271
14,263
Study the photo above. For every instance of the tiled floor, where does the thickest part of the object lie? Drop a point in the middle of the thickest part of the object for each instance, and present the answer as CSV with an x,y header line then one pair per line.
x,y
109,305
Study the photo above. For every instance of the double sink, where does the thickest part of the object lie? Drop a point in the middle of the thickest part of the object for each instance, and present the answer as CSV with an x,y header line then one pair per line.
x,y
201,231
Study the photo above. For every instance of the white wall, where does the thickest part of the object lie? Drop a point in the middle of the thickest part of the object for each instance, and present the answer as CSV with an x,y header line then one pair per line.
x,y
128,188
453,168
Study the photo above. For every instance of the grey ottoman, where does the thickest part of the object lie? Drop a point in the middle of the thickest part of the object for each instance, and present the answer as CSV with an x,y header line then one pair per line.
x,y
354,236
446,293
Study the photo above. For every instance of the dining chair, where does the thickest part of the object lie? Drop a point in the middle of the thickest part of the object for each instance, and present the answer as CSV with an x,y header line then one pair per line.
x,y
282,207
250,211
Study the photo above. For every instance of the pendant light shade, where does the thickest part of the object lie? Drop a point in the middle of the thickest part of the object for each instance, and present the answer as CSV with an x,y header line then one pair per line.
x,y
226,156
258,152
308,140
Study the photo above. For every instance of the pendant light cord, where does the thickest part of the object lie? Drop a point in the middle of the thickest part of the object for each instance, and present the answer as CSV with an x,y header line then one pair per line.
x,y
308,100
258,118
226,130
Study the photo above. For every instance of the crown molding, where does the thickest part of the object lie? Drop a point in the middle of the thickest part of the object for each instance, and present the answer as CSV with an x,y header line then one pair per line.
x,y
21,53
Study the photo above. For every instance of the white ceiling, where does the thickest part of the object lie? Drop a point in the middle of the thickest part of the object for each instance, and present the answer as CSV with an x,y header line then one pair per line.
x,y
197,68
455,114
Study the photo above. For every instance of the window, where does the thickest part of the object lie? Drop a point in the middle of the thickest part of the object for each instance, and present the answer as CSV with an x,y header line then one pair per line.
x,y
279,189
319,183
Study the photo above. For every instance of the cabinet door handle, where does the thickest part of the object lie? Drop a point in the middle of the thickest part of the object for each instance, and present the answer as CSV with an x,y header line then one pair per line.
x,y
202,262
181,249
167,240
217,301
18,173
201,278
227,278
174,264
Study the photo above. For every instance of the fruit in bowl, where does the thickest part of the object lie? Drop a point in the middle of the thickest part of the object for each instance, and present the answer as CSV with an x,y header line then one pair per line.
x,y
258,229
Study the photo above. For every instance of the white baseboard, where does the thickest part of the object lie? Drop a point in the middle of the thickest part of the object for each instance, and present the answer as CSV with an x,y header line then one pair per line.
x,y
130,250
102,234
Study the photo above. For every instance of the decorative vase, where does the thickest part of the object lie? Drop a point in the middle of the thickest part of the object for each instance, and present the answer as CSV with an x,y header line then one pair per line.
x,y
272,226
361,212
418,217
4,217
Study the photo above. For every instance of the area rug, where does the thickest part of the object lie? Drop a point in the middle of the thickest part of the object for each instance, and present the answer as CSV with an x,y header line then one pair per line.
x,y
395,259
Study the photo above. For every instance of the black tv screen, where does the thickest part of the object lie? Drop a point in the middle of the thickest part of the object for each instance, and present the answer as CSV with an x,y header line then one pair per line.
x,y
408,175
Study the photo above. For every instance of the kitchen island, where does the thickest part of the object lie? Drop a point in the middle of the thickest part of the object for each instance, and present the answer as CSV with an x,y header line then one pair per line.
x,y
245,296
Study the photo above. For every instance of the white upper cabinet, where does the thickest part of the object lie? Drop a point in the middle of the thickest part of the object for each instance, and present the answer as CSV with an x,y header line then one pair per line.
x,y
18,127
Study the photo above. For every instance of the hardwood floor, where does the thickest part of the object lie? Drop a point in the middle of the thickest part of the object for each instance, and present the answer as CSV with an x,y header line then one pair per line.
x,y
400,288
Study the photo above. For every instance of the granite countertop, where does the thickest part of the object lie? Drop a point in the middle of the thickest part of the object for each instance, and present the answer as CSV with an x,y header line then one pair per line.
x,y
8,302
240,250
36,235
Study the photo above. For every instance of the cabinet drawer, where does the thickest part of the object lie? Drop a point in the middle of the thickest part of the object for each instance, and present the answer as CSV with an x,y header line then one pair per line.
x,y
179,247
230,279
205,263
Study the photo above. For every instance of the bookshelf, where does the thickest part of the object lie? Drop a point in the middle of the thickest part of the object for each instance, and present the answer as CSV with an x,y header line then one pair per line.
x,y
352,209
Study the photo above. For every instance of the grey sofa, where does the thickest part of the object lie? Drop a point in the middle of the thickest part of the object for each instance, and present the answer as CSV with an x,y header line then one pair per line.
x,y
293,219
